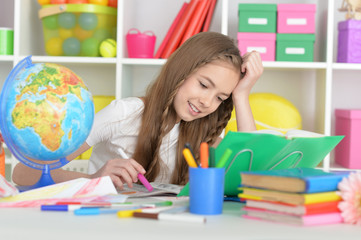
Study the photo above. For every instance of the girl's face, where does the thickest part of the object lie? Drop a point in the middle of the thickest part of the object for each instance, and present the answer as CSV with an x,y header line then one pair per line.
x,y
204,90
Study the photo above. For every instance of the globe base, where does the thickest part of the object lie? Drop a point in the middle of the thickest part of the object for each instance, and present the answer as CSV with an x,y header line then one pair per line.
x,y
44,180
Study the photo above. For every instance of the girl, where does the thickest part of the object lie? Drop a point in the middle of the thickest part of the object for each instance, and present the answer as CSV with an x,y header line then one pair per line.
x,y
190,101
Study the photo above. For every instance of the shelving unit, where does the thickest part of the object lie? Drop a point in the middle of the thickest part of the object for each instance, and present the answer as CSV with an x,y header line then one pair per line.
x,y
315,88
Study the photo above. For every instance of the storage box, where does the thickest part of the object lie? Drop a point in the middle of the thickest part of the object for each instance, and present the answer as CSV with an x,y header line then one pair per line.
x,y
295,47
296,18
348,151
77,29
349,41
264,43
257,18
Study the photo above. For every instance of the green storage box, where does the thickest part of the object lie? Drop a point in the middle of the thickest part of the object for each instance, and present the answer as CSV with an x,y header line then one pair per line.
x,y
257,18
295,47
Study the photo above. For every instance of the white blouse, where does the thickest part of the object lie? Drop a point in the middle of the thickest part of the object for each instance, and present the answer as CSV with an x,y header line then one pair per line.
x,y
117,127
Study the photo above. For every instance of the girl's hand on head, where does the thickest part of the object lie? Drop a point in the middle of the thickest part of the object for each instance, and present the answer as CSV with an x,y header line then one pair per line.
x,y
121,171
252,70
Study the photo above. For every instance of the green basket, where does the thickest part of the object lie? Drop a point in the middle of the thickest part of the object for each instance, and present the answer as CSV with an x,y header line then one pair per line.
x,y
77,29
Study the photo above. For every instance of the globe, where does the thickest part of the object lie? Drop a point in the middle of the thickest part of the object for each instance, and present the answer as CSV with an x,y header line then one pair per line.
x,y
47,112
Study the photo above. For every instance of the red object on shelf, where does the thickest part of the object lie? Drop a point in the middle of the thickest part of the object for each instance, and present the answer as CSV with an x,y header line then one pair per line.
x,y
170,31
178,33
195,20
207,22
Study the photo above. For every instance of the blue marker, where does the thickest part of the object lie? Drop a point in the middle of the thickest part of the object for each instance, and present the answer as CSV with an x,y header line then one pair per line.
x,y
60,208
98,211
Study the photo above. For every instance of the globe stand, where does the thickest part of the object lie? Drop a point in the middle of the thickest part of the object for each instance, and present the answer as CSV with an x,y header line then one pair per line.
x,y
44,180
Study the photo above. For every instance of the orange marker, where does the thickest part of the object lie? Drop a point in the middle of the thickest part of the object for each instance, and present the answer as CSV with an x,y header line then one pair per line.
x,y
189,158
204,155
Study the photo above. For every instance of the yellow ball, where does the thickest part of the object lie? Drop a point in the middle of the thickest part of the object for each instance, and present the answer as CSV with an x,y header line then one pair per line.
x,y
270,111
54,46
108,48
65,33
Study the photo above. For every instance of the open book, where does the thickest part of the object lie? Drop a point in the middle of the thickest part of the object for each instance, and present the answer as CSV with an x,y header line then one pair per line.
x,y
260,150
159,189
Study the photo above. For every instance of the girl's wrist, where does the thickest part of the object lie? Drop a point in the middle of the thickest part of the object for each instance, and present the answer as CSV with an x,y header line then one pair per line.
x,y
240,98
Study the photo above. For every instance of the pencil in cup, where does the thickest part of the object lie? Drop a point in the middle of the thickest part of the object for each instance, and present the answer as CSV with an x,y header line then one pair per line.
x,y
224,159
189,158
204,155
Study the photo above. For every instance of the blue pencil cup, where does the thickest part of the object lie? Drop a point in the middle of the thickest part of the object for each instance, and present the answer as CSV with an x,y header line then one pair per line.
x,y
206,190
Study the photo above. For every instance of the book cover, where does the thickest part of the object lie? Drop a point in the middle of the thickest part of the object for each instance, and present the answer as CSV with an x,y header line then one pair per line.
x,y
308,220
197,18
306,180
170,31
207,21
263,151
178,32
290,198
305,209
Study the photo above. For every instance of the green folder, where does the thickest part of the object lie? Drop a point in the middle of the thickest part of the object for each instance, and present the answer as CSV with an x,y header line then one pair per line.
x,y
264,151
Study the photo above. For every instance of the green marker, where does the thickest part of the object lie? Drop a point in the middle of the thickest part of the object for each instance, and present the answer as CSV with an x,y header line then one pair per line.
x,y
212,157
226,155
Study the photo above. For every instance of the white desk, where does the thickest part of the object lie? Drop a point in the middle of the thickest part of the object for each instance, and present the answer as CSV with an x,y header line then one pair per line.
x,y
21,223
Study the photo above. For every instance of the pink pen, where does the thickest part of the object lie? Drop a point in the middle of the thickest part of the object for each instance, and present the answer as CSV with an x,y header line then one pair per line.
x,y
141,177
145,182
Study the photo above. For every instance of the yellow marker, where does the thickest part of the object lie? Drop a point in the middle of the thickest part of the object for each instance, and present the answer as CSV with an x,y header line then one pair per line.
x,y
127,213
189,158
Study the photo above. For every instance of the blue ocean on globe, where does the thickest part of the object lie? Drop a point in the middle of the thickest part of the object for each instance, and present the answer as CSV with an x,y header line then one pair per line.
x,y
49,111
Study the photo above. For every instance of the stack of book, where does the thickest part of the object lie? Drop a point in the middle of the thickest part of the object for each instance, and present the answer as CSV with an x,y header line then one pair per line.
x,y
299,196
194,16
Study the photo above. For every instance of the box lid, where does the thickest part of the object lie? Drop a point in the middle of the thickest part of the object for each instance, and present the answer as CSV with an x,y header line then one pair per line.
x,y
244,7
348,113
294,37
256,36
349,24
296,7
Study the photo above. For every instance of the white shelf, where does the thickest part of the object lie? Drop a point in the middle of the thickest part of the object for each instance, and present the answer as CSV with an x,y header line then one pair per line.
x,y
346,66
85,60
313,87
295,65
4,58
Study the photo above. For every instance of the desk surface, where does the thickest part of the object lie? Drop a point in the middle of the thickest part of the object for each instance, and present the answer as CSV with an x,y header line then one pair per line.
x,y
23,223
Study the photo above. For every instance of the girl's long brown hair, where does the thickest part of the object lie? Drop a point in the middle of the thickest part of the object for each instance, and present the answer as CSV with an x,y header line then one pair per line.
x,y
159,116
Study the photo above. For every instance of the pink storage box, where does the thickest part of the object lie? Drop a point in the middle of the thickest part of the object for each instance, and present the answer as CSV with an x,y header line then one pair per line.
x,y
264,43
348,151
296,18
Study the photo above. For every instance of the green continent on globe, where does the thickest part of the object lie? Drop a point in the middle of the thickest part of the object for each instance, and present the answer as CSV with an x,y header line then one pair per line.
x,y
46,115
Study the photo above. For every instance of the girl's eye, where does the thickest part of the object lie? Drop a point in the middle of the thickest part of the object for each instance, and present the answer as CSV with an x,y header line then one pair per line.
x,y
220,99
202,85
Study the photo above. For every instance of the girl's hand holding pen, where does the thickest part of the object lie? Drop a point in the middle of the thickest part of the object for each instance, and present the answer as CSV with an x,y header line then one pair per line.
x,y
121,171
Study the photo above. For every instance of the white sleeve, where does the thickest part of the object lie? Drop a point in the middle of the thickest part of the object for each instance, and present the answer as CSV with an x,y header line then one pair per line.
x,y
103,127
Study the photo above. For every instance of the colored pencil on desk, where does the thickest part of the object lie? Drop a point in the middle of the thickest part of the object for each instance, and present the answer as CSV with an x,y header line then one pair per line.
x,y
185,217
